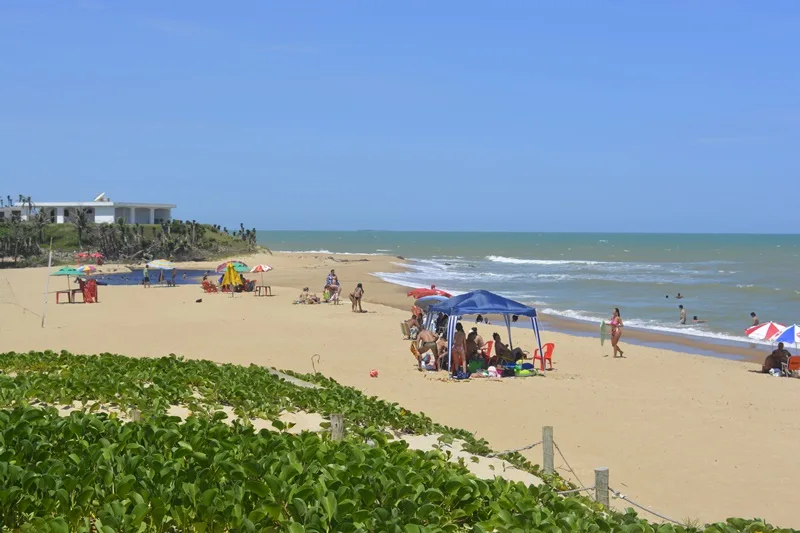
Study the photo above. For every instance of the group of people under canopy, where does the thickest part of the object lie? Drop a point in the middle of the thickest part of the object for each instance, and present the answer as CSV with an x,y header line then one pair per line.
x,y
442,333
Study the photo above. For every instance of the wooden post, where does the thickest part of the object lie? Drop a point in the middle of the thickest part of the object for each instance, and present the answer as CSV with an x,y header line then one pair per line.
x,y
548,458
601,486
337,427
136,415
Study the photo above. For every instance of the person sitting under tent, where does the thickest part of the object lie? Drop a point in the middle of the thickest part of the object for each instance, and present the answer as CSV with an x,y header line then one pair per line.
x,y
503,353
428,342
776,359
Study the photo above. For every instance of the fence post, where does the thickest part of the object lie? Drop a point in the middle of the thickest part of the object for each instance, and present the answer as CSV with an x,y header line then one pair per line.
x,y
601,485
136,415
337,427
547,450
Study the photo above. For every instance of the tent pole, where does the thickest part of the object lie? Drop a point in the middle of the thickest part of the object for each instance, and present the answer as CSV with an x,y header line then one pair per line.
x,y
535,324
451,331
508,327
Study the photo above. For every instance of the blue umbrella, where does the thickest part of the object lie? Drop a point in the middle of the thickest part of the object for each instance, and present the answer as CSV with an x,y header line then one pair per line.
x,y
790,335
427,301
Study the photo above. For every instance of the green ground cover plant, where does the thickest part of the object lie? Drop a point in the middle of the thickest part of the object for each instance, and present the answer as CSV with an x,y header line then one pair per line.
x,y
93,470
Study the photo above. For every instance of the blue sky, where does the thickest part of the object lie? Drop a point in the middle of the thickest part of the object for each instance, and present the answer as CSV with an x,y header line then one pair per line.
x,y
537,116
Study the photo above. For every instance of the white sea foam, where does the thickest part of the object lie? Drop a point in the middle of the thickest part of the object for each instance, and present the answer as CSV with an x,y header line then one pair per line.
x,y
651,325
517,261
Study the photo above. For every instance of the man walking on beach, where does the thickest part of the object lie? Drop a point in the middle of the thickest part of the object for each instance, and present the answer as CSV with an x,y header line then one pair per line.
x,y
682,320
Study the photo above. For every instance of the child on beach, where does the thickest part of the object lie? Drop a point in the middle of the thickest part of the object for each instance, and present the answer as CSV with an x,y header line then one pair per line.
x,y
355,298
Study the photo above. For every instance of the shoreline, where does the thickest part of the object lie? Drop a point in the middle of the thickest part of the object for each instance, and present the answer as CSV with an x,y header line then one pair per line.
x,y
732,350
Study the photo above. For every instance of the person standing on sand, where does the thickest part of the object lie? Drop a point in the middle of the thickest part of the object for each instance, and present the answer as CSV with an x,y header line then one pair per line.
x,y
355,298
459,350
682,319
145,277
755,319
616,331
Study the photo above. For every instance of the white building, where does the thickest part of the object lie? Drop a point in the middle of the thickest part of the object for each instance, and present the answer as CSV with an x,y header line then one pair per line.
x,y
101,210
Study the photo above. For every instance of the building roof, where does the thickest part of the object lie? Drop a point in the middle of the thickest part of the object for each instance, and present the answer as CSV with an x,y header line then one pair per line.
x,y
101,204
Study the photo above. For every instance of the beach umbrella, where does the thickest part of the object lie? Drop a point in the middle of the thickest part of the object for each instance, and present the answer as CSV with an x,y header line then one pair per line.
x,y
86,269
231,277
97,255
67,271
240,265
765,331
790,335
161,264
432,291
426,301
261,269
82,256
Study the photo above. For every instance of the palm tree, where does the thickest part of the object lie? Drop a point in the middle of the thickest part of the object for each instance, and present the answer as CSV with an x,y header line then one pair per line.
x,y
40,221
82,224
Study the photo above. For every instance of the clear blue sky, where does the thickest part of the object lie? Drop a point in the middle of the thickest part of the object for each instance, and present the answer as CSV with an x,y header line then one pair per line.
x,y
518,115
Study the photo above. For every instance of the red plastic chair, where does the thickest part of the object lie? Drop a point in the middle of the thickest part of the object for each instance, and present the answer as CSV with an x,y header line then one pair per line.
x,y
488,348
548,350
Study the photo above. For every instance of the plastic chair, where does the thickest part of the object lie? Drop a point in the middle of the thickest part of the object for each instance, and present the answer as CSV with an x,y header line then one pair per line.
x,y
548,350
792,366
488,347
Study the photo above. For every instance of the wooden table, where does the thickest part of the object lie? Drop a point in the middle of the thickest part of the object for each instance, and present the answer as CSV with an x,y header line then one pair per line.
x,y
67,292
263,290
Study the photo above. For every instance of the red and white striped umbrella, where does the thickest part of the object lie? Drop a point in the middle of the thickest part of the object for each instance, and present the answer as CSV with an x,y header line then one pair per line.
x,y
764,331
262,269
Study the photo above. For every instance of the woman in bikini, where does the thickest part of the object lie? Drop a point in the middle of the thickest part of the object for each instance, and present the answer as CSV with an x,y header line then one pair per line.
x,y
355,298
616,331
459,350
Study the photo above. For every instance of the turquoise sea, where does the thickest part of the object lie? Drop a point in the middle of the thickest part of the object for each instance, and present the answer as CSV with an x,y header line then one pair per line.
x,y
583,275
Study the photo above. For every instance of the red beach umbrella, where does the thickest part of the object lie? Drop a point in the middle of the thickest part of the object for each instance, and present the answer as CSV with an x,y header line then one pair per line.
x,y
433,291
764,331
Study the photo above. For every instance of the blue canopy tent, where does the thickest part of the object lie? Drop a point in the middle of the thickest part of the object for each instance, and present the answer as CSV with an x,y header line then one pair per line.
x,y
483,303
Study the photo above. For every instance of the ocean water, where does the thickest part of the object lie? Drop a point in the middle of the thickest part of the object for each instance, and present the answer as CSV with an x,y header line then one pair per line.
x,y
583,276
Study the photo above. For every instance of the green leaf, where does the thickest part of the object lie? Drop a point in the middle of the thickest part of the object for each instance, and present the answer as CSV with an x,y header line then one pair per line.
x,y
258,487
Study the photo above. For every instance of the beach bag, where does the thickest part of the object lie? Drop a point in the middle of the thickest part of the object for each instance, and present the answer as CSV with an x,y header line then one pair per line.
x,y
509,372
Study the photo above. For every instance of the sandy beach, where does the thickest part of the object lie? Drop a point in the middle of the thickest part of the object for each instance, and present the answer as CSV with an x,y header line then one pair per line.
x,y
692,436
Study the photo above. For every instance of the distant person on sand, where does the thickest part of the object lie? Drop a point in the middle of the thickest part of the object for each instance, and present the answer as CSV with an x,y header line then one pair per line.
x,y
355,298
616,331
145,277
697,321
755,319
776,359
682,319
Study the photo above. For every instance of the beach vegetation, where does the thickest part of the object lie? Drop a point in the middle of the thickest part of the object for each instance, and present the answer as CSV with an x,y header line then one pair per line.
x,y
92,471
27,242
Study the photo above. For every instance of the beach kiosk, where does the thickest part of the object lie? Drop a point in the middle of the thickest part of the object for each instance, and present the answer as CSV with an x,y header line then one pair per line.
x,y
483,303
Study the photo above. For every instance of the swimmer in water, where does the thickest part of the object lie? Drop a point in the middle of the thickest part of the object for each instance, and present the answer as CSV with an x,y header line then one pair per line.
x,y
696,321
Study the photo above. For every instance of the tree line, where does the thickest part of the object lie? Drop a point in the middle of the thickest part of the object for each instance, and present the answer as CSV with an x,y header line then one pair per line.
x,y
177,239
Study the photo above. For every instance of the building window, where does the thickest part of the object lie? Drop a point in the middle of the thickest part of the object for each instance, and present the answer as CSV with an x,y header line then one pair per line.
x,y
2,215
66,213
